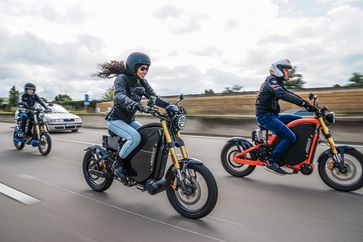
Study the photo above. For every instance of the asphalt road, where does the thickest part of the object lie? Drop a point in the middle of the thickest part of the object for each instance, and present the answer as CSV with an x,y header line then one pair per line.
x,y
59,206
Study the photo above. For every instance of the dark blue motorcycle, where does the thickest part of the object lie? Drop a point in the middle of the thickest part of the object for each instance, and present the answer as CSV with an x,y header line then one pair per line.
x,y
36,132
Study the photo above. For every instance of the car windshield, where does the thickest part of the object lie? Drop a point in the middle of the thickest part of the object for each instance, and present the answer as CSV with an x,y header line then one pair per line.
x,y
58,109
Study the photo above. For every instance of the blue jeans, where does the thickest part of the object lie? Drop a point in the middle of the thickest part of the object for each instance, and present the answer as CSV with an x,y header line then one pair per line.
x,y
23,117
277,124
128,132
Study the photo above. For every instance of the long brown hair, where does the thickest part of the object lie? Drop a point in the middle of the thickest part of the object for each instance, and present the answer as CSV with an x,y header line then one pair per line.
x,y
111,69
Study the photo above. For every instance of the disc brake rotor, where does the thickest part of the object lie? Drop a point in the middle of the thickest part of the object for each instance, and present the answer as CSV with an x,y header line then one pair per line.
x,y
350,174
194,197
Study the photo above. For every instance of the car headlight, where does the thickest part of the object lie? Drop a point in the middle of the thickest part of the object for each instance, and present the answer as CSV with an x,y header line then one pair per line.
x,y
330,117
78,120
180,121
56,121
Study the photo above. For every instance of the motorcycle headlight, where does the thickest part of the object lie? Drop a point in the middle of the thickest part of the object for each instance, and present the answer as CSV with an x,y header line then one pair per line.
x,y
180,121
330,117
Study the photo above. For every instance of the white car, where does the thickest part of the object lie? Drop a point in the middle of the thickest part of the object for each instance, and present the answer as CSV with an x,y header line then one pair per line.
x,y
59,119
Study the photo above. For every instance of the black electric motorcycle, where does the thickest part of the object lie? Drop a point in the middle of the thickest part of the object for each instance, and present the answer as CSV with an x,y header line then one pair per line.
x,y
36,132
190,187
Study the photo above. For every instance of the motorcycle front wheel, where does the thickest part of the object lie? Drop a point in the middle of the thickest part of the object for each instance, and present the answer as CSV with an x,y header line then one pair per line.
x,y
45,144
349,180
200,195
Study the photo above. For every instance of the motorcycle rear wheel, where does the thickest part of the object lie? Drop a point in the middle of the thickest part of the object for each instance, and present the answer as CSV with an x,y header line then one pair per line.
x,y
233,168
97,183
18,145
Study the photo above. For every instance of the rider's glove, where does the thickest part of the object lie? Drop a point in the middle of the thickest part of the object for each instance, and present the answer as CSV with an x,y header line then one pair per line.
x,y
310,108
141,108
151,102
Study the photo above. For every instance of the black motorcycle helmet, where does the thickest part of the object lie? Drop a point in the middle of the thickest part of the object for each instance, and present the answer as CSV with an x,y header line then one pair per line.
x,y
137,58
29,86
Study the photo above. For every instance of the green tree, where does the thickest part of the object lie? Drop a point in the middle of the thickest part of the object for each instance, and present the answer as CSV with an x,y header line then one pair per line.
x,y
337,85
109,94
208,92
356,80
233,89
60,98
295,81
13,97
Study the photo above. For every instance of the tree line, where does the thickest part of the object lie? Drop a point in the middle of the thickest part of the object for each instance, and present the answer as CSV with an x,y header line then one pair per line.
x,y
295,82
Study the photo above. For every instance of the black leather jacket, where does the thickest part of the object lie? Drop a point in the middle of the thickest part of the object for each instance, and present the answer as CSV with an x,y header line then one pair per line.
x,y
270,92
28,101
126,98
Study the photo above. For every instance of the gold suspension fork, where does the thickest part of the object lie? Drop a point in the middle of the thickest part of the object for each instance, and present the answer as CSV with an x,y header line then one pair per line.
x,y
44,126
173,156
333,148
182,148
328,136
36,126
169,141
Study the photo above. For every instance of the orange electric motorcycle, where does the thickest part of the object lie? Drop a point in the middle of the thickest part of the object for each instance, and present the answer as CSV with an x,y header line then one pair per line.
x,y
340,167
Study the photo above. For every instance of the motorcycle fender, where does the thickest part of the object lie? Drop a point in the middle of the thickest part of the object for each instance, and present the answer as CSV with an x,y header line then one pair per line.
x,y
187,161
340,149
240,141
98,151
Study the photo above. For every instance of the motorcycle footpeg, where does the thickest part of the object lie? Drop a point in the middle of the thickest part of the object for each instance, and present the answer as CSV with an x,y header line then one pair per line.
x,y
141,188
127,181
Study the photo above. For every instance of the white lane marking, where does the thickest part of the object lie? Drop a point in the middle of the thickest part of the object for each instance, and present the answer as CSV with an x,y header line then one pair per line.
x,y
128,211
26,176
16,195
224,220
74,141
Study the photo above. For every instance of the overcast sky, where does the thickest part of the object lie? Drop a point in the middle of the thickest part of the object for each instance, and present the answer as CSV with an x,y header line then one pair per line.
x,y
194,44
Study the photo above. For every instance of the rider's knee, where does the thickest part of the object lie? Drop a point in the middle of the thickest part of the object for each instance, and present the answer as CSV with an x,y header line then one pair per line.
x,y
23,116
136,138
291,137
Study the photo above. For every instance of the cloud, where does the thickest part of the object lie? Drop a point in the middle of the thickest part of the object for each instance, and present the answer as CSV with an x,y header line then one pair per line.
x,y
168,11
209,51
56,67
58,44
49,11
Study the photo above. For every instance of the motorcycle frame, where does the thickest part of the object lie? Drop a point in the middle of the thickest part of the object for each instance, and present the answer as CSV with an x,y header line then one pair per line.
x,y
320,126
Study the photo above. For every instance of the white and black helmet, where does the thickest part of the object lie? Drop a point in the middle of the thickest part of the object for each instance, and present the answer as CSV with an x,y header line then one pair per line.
x,y
276,68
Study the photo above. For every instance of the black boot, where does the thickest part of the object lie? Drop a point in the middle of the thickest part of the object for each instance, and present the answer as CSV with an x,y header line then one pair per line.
x,y
118,167
274,168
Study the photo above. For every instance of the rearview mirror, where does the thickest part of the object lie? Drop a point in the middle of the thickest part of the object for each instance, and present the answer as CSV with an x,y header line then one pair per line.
x,y
181,97
312,96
